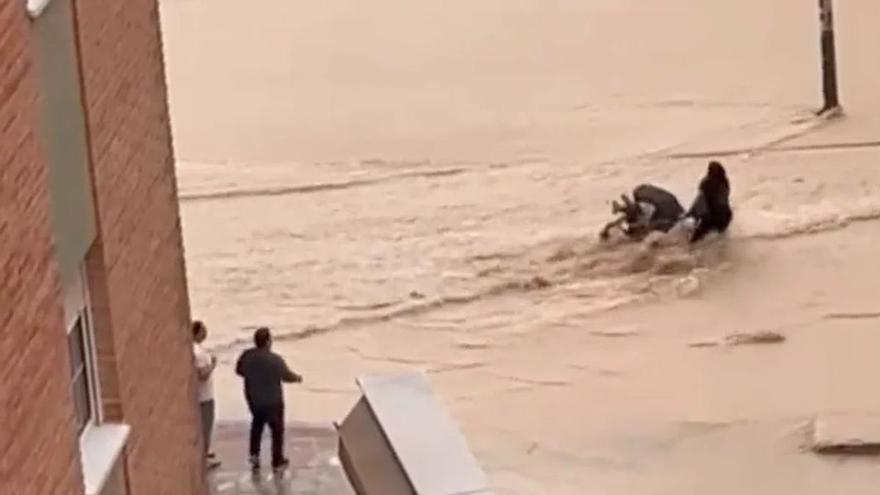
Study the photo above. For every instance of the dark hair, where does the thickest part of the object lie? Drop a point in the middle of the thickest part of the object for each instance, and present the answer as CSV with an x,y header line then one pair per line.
x,y
715,169
197,327
262,337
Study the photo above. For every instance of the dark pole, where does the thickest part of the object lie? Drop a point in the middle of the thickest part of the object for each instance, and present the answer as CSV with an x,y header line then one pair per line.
x,y
829,61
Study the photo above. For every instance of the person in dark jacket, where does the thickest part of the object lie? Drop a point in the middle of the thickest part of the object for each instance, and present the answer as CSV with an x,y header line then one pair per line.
x,y
651,209
264,372
711,208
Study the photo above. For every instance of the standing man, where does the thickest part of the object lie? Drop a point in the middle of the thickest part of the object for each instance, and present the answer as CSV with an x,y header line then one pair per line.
x,y
205,363
263,372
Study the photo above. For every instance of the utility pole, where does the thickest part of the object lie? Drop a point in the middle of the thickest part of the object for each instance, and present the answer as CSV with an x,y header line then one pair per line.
x,y
829,60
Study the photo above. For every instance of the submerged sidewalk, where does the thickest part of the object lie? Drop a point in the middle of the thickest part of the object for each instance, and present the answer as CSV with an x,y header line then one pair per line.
x,y
314,465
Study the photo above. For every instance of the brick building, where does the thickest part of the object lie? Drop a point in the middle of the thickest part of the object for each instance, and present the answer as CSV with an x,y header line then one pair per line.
x,y
97,394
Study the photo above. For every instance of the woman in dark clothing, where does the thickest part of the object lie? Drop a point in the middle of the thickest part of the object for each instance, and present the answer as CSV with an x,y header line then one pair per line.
x,y
711,209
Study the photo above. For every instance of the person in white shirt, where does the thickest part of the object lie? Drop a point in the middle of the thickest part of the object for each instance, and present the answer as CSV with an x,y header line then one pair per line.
x,y
205,363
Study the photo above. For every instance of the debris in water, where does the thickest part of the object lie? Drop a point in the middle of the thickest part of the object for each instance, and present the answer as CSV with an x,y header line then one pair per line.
x,y
764,337
846,434
853,316
416,295
705,343
472,344
735,339
615,332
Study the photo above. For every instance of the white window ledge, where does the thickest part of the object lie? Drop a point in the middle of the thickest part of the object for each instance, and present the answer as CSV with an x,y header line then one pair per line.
x,y
36,7
100,448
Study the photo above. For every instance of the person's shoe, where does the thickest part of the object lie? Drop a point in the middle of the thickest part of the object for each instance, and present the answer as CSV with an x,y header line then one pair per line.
x,y
281,466
212,463
255,463
212,455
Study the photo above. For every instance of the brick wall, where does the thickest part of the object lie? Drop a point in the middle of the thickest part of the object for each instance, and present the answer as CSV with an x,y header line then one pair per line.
x,y
136,269
38,445
139,230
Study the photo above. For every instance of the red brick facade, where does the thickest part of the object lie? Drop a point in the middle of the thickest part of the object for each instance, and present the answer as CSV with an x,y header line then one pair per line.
x,y
136,272
38,450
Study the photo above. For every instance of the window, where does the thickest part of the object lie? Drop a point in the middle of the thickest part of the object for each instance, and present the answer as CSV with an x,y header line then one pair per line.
x,y
83,373
101,444
83,387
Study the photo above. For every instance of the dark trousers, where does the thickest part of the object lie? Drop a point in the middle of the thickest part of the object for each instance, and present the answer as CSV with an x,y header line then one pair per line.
x,y
273,415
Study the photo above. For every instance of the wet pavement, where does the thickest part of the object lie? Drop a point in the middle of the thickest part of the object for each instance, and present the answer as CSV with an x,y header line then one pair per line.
x,y
314,465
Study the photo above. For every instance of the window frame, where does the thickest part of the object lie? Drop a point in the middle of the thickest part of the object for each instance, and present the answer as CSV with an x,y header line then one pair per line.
x,y
77,309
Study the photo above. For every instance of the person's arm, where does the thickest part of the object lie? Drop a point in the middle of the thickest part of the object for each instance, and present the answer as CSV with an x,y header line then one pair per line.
x,y
699,208
606,231
239,365
204,372
205,364
287,375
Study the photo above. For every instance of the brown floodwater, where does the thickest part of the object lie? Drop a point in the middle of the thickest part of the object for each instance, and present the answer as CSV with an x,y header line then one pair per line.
x,y
419,185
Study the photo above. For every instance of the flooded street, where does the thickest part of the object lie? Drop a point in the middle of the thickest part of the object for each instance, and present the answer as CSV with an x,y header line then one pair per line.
x,y
392,185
